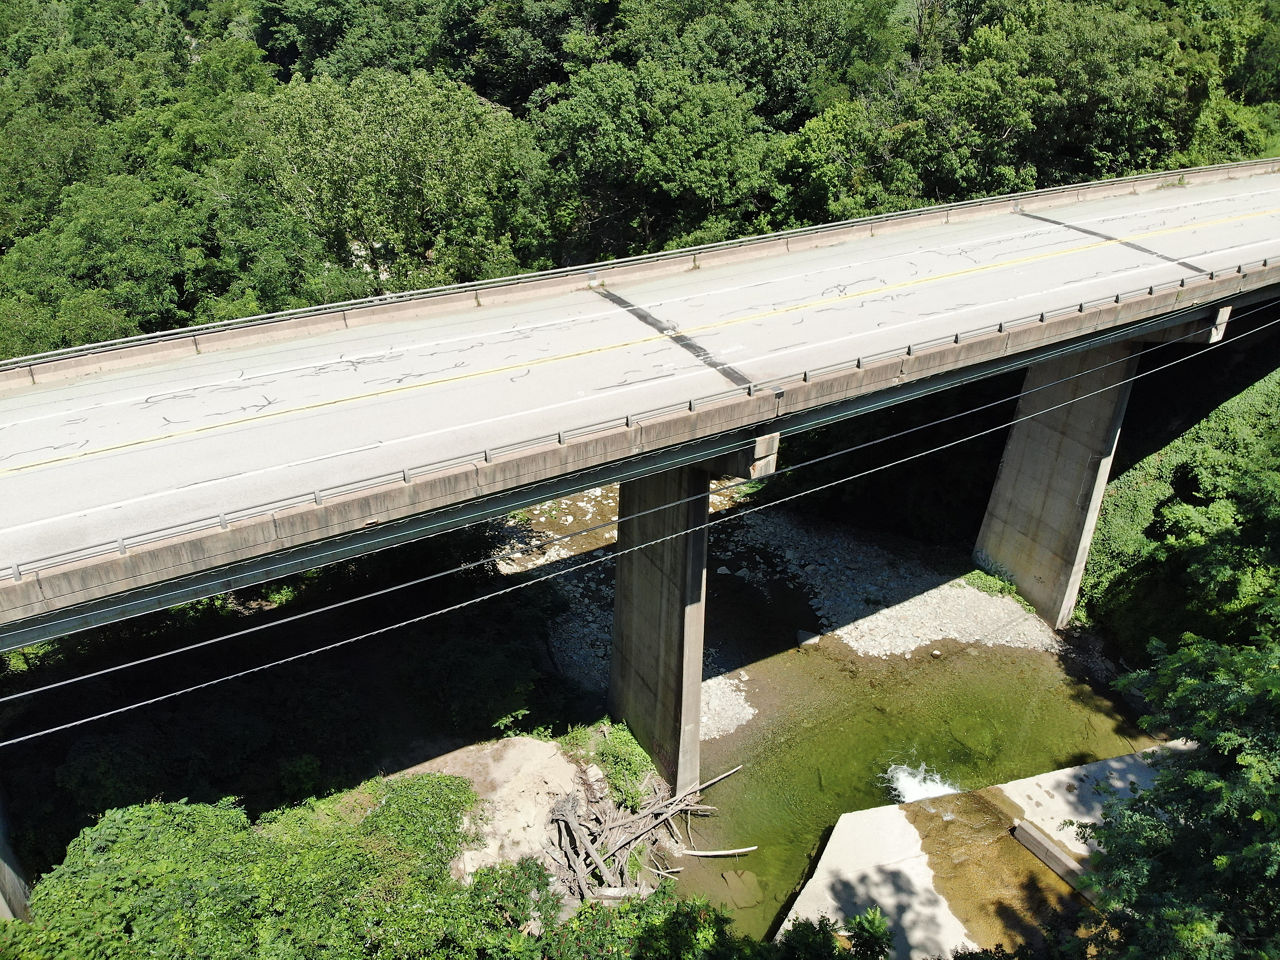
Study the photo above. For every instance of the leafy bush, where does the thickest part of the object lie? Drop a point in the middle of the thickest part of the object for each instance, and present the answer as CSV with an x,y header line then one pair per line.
x,y
625,763
1189,538
354,875
869,935
194,880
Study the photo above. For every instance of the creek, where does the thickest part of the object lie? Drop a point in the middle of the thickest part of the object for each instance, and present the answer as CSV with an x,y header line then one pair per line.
x,y
831,724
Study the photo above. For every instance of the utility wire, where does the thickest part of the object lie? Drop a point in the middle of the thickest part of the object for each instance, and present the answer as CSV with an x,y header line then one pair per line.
x,y
390,541
563,538
712,521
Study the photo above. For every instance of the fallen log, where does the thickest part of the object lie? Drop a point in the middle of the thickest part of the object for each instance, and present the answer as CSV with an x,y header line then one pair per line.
x,y
719,853
677,800
673,807
574,859
668,872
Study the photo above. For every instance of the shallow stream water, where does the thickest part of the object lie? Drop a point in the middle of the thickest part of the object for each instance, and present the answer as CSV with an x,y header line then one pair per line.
x,y
830,725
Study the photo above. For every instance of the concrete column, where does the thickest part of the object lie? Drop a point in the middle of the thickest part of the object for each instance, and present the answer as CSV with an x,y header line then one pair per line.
x,y
1044,506
655,678
13,889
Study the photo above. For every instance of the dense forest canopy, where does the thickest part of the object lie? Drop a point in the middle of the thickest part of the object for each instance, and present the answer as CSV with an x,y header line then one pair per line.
x,y
164,164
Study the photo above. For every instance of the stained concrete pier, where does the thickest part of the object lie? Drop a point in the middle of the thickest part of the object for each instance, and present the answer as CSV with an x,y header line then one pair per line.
x,y
1044,506
13,889
655,679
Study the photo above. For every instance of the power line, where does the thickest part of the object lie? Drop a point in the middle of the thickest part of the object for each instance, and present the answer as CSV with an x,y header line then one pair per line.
x,y
710,522
563,538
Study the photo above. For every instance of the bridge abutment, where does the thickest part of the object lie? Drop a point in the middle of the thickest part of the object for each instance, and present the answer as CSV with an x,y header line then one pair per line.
x,y
1044,506
655,678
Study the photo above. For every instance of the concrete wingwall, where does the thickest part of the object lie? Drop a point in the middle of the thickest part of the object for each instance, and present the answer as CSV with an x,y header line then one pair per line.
x,y
13,888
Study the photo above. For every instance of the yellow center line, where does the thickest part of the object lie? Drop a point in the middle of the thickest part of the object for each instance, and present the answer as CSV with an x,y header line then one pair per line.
x,y
977,268
578,354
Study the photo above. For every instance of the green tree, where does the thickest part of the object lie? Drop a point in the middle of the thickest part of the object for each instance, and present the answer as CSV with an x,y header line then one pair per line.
x,y
650,158
954,132
1188,868
1129,93
853,159
55,113
134,254
1257,76
414,180
782,52
979,119
504,49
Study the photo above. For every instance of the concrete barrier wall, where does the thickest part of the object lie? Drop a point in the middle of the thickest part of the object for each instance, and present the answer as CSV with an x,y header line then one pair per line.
x,y
83,365
13,888
268,329
498,471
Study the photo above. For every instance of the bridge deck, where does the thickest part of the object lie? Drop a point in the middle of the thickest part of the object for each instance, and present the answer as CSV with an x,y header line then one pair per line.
x,y
121,453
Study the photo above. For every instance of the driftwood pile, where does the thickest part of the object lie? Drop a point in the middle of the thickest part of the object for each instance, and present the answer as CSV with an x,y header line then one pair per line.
x,y
594,842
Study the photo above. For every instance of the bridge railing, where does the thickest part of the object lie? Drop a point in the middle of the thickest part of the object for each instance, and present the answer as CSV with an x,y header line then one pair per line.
x,y
121,545
505,287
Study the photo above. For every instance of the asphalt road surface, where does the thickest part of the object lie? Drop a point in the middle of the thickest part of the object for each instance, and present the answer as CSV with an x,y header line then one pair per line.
x,y
120,454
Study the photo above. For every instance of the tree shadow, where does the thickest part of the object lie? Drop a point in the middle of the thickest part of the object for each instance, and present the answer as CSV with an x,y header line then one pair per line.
x,y
911,910
306,728
1046,919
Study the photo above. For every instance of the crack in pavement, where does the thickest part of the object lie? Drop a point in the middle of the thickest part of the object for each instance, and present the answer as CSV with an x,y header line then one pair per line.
x,y
74,445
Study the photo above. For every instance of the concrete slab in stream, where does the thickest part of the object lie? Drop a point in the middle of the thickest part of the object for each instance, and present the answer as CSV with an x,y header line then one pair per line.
x,y
874,858
881,857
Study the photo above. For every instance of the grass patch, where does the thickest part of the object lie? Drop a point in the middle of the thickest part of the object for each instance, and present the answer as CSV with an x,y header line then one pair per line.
x,y
996,586
625,764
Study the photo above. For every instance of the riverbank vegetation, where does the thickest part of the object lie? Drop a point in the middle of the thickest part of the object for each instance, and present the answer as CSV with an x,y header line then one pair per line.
x,y
1188,539
1185,576
358,874
167,164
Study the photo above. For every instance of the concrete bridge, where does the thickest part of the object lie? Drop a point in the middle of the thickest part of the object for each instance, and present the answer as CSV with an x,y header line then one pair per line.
x,y
148,472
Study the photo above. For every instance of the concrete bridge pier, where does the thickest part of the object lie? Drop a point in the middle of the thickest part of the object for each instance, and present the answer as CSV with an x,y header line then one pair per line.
x,y
655,676
13,889
1044,506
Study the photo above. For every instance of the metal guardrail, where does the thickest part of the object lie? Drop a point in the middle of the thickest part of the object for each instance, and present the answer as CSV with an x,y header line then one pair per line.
x,y
608,265
17,571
